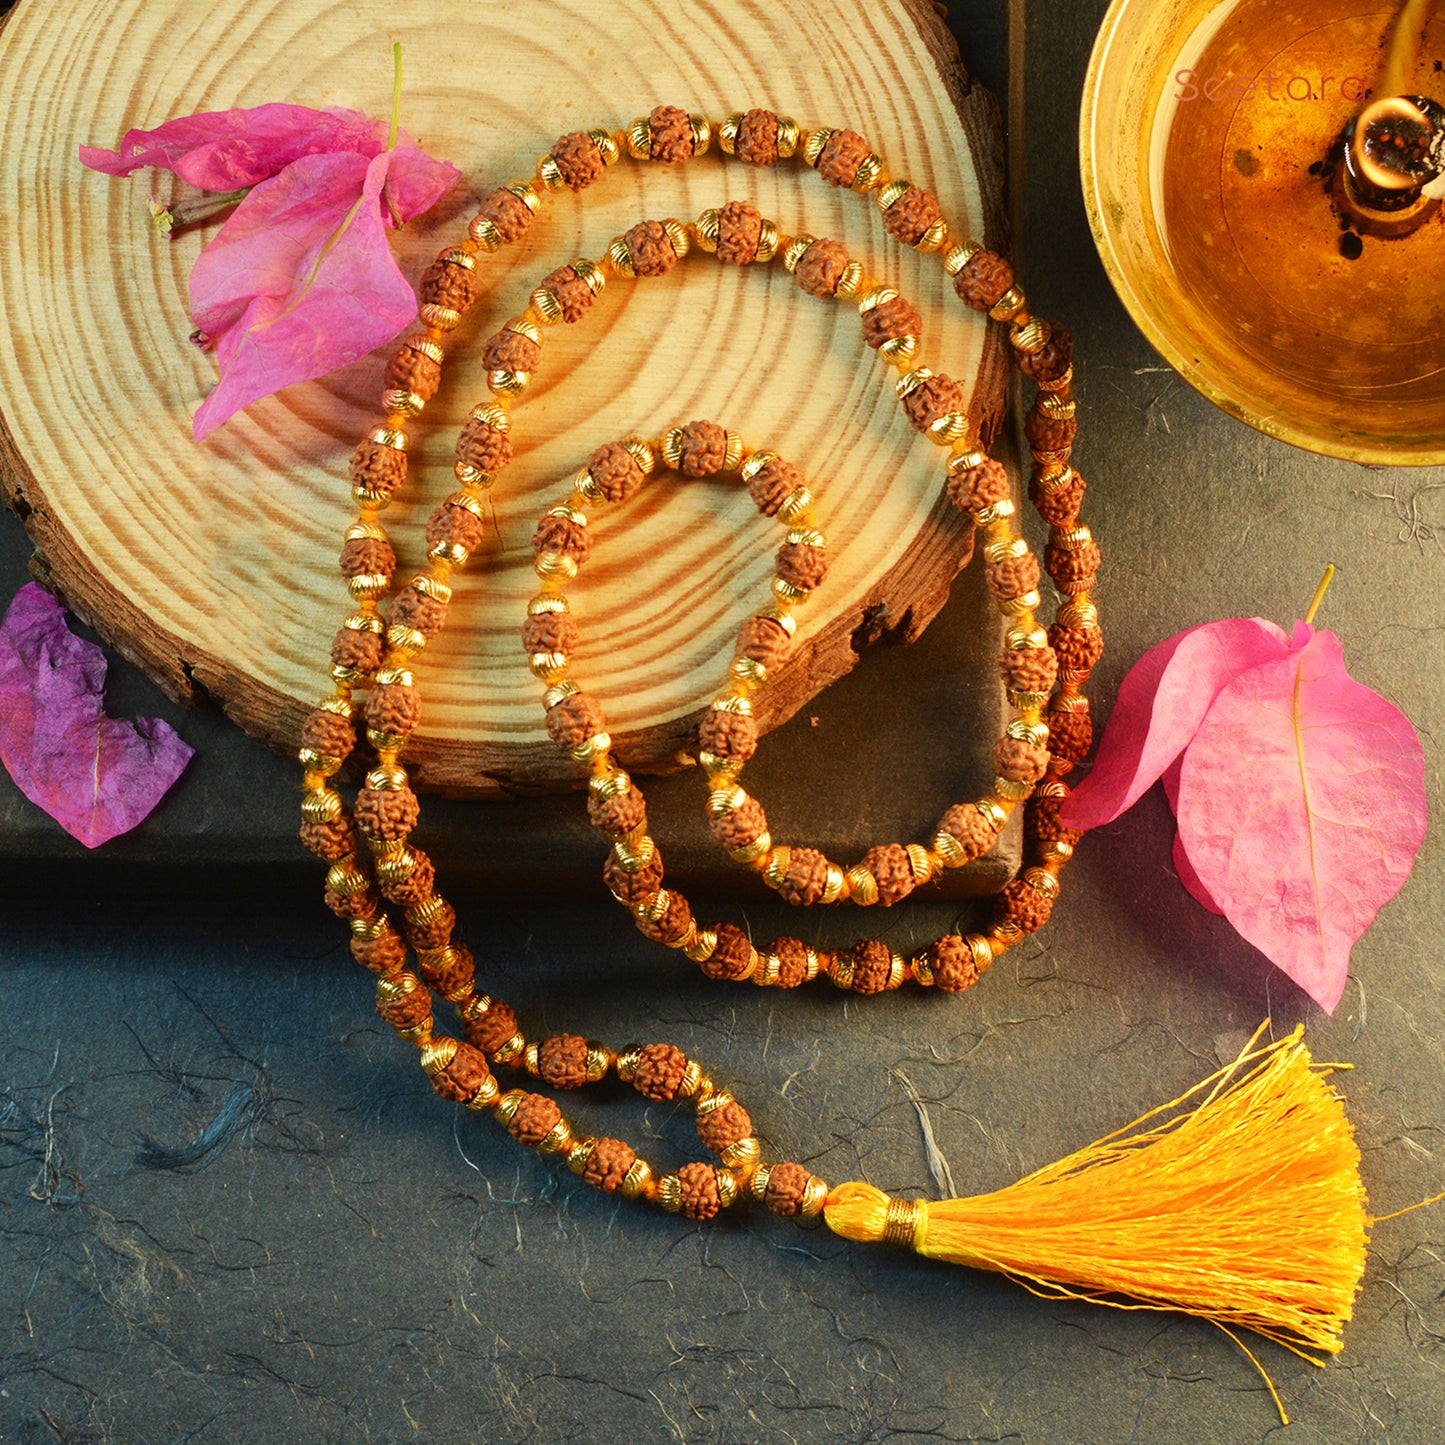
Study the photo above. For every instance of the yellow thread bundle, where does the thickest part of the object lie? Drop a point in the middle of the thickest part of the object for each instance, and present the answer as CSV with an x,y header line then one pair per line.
x,y
1246,1209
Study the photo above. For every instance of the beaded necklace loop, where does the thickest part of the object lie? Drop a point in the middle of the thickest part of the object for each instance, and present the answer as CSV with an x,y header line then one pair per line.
x,y
371,860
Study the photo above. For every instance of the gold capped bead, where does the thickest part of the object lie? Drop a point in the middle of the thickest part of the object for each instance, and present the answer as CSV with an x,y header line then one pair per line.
x,y
727,1188
852,281
814,142
795,507
672,448
1036,734
487,1094
385,436
1009,305
492,414
591,273
994,813
870,173
743,1155
910,381
768,239
727,133
785,620
314,762
920,863
952,426
889,193
862,886
755,462
833,886
554,564
872,297
748,670
1042,882
935,238
578,1154
397,865
1008,788
1059,408
999,511
405,639
805,537
436,1054
443,318
732,703
702,945
550,174
508,1105
732,452
321,806
484,232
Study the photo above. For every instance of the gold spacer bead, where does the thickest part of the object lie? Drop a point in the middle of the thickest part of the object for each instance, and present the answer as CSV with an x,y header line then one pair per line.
x,y
405,639
701,946
935,238
550,174
758,1184
814,1197
872,297
793,251
775,874
994,814
508,383
952,426
784,591
949,850
1005,549
814,142
999,511
1031,338
511,1050
1036,734
484,232
891,192
705,228
1027,701
1009,305
982,953
921,970
620,258
789,134
443,318
1021,606
795,507
1008,788
870,172
554,564
862,886
321,806
597,746
852,281
1020,639
547,666
727,1188
627,1062
910,381
368,586
634,857
639,139
385,436
346,879
694,1081
722,801
920,863
557,1140
637,1182
492,414
487,1094
751,852
957,257
1079,612
727,133
701,134
833,885
599,1060
1042,882
748,669
604,141
578,1154
733,450
1055,850
1057,407
768,239
899,350
397,402
546,305
669,1193
966,461
436,1054
743,1155
1070,538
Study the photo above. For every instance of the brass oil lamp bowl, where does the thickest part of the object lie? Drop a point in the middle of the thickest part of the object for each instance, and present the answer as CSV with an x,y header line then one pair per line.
x,y
1264,180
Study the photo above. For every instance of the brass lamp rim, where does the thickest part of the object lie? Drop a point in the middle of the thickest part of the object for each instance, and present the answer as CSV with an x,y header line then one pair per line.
x,y
1099,77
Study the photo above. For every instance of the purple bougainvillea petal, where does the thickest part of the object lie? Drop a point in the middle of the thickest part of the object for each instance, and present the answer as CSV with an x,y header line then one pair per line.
x,y
1302,805
1160,705
96,776
223,150
300,280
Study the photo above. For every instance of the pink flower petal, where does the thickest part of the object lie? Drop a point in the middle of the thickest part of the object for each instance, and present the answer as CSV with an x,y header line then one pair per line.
x,y
415,182
96,776
1302,806
1182,866
1160,705
300,280
223,150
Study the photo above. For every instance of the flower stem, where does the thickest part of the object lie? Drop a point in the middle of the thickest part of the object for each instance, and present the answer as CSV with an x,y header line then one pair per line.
x,y
167,221
395,124
1320,593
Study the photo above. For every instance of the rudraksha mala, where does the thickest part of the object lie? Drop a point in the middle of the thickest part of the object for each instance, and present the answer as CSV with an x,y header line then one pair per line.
x,y
372,862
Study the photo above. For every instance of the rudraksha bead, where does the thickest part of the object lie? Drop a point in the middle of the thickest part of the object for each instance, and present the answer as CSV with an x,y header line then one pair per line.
x,y
672,927
764,640
562,1061
889,320
633,887
376,467
507,212
436,930
1058,506
387,813
1024,906
451,971
351,905
669,135
448,283
806,878
330,839
1028,669
463,1076
456,526
702,449
792,958
406,1010
416,886
367,555
910,216
757,142
510,351
953,964
843,152
739,229
614,472
362,651
483,446
728,735
977,487
564,536
649,248
1071,734
573,720
969,829
720,1128
392,708
383,954
892,871
1052,360
821,267
787,1188
1041,821
801,565
698,1191
1078,648
932,398
732,956
1019,761
1073,568
413,370
872,965
619,814
1047,433
536,1117
328,733
550,632
772,484
416,609
607,1165
659,1072
489,1030
1012,577
573,294
579,160
741,827
983,279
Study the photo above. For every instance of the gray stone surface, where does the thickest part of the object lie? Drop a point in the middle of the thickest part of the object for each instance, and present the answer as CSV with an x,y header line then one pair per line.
x,y
332,1253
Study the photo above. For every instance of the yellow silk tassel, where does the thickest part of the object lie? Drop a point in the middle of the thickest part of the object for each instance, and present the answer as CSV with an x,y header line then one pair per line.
x,y
1245,1208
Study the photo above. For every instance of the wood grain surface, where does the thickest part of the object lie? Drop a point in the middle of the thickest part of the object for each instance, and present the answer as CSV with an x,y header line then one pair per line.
x,y
213,565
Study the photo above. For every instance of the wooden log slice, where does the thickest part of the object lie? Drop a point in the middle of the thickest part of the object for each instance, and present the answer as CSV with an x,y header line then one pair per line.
x,y
214,566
